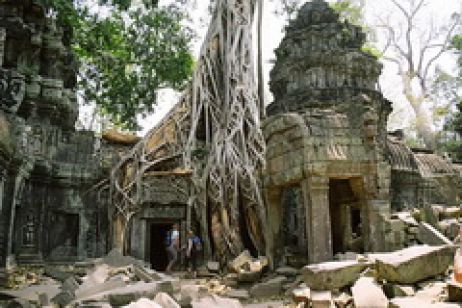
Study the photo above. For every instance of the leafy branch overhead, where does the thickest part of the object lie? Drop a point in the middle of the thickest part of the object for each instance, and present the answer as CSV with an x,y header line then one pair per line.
x,y
127,55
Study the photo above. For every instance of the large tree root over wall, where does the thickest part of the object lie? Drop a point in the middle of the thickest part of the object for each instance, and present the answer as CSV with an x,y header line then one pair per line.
x,y
212,135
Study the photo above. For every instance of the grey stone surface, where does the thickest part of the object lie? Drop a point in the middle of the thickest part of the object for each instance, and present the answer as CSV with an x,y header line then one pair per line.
x,y
216,301
240,294
213,266
366,294
332,275
427,234
413,264
272,287
321,299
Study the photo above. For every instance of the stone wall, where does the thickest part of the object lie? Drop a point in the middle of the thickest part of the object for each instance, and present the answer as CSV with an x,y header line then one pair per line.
x,y
47,168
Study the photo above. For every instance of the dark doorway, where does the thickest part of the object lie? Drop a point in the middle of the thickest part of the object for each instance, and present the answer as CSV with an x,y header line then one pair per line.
x,y
345,216
157,249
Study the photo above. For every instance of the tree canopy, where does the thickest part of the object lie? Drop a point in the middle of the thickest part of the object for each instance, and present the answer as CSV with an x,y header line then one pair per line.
x,y
126,54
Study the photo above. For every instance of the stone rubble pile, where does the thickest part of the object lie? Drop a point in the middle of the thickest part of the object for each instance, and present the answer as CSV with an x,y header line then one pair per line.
x,y
431,225
418,276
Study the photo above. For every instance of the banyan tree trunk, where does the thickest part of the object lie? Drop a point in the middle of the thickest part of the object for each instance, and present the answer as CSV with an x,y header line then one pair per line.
x,y
214,131
225,95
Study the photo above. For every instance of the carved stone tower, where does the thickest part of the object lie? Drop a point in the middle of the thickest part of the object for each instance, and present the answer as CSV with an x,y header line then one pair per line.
x,y
45,164
326,135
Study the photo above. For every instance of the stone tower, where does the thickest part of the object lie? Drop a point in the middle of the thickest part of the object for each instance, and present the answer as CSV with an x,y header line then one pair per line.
x,y
326,135
46,166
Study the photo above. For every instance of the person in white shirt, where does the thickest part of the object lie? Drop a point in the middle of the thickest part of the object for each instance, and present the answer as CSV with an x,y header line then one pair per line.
x,y
173,245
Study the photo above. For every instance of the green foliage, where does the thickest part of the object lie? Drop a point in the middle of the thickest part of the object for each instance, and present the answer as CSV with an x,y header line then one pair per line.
x,y
350,11
372,50
126,56
448,88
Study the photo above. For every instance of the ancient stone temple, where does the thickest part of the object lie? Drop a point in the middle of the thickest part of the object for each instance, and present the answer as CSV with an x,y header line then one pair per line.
x,y
327,179
420,177
47,209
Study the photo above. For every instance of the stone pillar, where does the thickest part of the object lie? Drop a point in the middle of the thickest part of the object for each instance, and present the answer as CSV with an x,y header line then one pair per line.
x,y
2,188
318,224
21,175
273,228
378,211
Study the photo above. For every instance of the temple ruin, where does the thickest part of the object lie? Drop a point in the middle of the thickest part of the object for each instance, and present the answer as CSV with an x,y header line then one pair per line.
x,y
46,166
330,175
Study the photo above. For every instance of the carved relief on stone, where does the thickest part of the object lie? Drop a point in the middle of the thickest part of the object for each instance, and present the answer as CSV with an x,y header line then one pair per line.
x,y
28,230
370,125
12,90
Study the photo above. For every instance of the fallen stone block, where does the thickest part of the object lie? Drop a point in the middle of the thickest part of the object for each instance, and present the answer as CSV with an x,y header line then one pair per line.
x,y
302,295
272,287
70,284
231,280
413,302
216,301
406,217
189,293
413,264
321,299
245,276
454,291
395,290
238,294
89,289
450,228
287,271
54,273
430,214
213,266
269,304
242,259
343,300
427,234
259,264
63,298
332,275
31,293
366,294
144,303
43,299
125,294
142,274
433,292
98,275
116,259
451,212
19,303
165,301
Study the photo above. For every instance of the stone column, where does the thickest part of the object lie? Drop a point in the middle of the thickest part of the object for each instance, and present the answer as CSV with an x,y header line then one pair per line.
x,y
379,210
21,175
274,217
318,224
2,187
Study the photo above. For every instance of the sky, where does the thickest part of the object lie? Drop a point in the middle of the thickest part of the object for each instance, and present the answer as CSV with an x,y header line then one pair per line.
x,y
437,10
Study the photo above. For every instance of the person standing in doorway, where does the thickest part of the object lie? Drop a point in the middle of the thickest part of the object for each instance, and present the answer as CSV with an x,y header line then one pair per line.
x,y
172,243
193,248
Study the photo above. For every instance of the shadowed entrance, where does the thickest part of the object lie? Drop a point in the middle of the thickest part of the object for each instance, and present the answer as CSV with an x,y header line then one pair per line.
x,y
157,249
